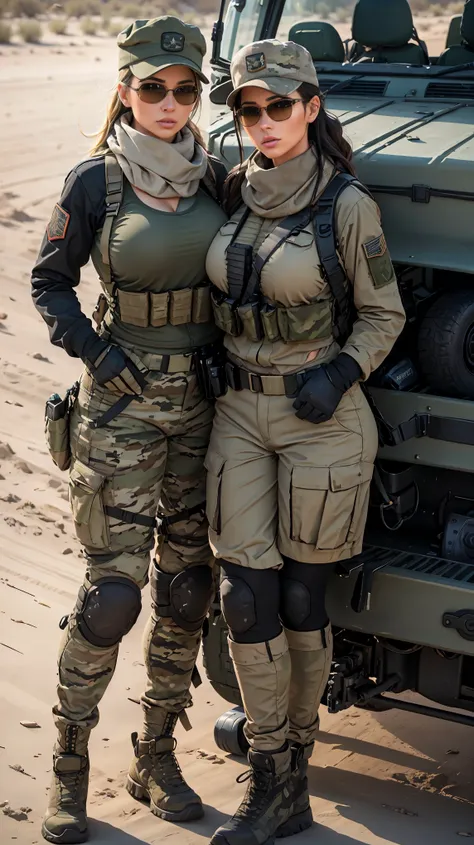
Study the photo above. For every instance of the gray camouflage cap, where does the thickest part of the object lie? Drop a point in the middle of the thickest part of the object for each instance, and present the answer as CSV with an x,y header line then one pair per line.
x,y
276,66
150,45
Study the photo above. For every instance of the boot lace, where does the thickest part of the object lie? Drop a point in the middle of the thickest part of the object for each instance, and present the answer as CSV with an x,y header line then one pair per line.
x,y
69,787
169,769
257,794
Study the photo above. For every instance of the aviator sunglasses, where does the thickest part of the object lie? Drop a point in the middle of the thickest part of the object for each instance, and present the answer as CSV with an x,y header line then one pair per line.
x,y
153,92
278,110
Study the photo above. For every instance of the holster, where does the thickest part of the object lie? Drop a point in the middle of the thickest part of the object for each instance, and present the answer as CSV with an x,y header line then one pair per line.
x,y
209,368
57,416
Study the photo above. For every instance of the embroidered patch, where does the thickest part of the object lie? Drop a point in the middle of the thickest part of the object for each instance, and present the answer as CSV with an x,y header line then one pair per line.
x,y
255,62
377,246
172,42
380,263
57,226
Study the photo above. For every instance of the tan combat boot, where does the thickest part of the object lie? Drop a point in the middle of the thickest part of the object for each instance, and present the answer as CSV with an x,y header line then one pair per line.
x,y
65,820
155,774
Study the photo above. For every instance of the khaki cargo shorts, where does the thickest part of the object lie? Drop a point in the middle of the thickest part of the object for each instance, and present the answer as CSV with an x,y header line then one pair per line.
x,y
277,485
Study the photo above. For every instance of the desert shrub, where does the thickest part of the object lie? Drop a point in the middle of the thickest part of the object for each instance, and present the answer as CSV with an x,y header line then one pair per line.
x,y
30,31
58,26
89,27
5,32
26,8
115,26
133,11
82,8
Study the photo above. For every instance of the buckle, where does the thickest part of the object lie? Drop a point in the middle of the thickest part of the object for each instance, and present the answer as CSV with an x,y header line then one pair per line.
x,y
255,383
421,424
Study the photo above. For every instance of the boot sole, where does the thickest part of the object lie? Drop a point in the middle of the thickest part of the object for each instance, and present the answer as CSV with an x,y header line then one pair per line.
x,y
67,837
295,824
140,793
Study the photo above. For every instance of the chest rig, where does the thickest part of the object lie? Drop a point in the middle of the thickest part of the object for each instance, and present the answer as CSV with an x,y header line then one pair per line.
x,y
143,309
246,311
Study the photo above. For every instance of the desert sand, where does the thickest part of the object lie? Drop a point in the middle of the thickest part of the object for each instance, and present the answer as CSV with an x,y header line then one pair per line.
x,y
388,778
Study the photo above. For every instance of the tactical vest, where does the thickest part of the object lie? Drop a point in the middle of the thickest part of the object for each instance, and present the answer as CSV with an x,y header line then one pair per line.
x,y
174,307
245,310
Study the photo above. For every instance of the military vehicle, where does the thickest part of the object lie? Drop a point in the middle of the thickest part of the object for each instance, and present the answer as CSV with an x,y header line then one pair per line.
x,y
403,611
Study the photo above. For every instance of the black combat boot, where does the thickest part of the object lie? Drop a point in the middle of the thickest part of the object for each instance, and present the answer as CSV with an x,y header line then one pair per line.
x,y
268,802
65,820
301,816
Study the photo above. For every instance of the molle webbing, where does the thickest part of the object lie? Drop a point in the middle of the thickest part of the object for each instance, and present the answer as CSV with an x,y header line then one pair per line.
x,y
175,307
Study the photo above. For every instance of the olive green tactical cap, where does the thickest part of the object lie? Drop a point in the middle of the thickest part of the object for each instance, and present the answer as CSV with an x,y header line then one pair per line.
x,y
150,45
276,66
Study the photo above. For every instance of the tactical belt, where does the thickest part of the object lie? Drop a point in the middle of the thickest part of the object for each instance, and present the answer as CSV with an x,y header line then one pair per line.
x,y
239,379
161,363
174,307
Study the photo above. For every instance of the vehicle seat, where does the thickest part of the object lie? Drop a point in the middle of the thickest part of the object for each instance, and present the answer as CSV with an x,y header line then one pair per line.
x,y
464,52
385,28
453,37
322,40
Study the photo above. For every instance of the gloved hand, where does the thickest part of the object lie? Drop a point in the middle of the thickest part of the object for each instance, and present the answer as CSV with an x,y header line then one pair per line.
x,y
325,387
111,368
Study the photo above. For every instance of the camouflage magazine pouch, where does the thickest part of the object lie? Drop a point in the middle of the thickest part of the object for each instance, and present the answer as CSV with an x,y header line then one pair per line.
x,y
56,425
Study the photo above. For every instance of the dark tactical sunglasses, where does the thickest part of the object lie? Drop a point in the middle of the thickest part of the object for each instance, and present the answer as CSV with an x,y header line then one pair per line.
x,y
153,92
278,110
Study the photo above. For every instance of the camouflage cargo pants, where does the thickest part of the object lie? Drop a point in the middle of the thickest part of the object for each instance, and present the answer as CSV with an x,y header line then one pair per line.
x,y
150,455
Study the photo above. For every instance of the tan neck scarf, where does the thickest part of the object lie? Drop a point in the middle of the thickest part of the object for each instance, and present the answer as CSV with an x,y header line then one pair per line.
x,y
161,169
280,191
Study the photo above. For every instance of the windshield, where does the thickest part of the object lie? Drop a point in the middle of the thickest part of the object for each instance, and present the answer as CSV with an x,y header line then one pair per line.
x,y
240,27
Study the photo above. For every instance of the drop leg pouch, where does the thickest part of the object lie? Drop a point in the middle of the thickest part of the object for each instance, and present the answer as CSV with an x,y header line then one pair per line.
x,y
57,416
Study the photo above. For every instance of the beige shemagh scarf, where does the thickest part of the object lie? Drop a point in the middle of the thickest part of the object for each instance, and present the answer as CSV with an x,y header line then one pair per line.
x,y
280,191
161,169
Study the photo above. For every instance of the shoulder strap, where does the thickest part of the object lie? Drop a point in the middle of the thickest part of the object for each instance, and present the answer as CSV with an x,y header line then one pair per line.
x,y
243,284
113,201
214,178
326,243
274,240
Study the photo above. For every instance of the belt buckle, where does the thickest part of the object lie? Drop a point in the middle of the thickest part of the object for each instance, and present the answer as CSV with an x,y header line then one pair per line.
x,y
258,386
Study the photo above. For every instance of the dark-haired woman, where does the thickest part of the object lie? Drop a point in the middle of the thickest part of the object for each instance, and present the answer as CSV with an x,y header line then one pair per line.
x,y
294,441
143,207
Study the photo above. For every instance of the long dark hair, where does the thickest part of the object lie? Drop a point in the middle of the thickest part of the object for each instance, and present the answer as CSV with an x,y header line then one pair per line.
x,y
325,136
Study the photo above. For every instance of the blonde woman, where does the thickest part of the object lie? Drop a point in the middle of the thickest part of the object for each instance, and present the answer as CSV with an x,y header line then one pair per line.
x,y
143,208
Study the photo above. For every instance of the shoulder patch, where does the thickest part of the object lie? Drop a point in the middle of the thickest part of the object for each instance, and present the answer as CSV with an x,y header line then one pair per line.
x,y
380,263
57,226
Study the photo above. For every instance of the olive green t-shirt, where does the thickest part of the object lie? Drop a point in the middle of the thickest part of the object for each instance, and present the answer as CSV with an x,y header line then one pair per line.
x,y
157,251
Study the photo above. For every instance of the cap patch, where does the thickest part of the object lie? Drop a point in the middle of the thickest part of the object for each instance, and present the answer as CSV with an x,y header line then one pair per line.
x,y
255,62
57,226
172,42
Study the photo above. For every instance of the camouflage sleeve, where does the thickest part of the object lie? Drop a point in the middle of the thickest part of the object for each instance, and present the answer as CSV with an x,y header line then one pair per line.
x,y
380,313
66,247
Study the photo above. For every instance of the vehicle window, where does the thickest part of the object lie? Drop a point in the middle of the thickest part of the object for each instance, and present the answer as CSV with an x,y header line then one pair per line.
x,y
240,27
297,11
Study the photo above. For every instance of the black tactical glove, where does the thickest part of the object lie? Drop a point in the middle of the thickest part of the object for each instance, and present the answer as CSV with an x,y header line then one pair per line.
x,y
111,368
325,387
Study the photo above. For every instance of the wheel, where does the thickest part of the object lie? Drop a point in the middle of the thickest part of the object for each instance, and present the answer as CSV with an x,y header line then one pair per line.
x,y
446,344
229,732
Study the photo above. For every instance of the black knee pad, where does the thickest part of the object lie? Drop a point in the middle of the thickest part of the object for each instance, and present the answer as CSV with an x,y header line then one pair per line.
x,y
250,600
185,598
303,594
107,610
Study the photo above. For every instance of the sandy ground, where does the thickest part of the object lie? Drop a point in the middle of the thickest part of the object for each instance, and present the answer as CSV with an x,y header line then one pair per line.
x,y
395,778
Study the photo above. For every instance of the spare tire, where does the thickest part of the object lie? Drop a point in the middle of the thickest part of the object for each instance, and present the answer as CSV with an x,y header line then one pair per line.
x,y
446,345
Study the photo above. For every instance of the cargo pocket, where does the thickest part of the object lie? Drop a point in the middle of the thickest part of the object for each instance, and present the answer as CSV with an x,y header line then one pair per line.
x,y
329,504
214,465
87,505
